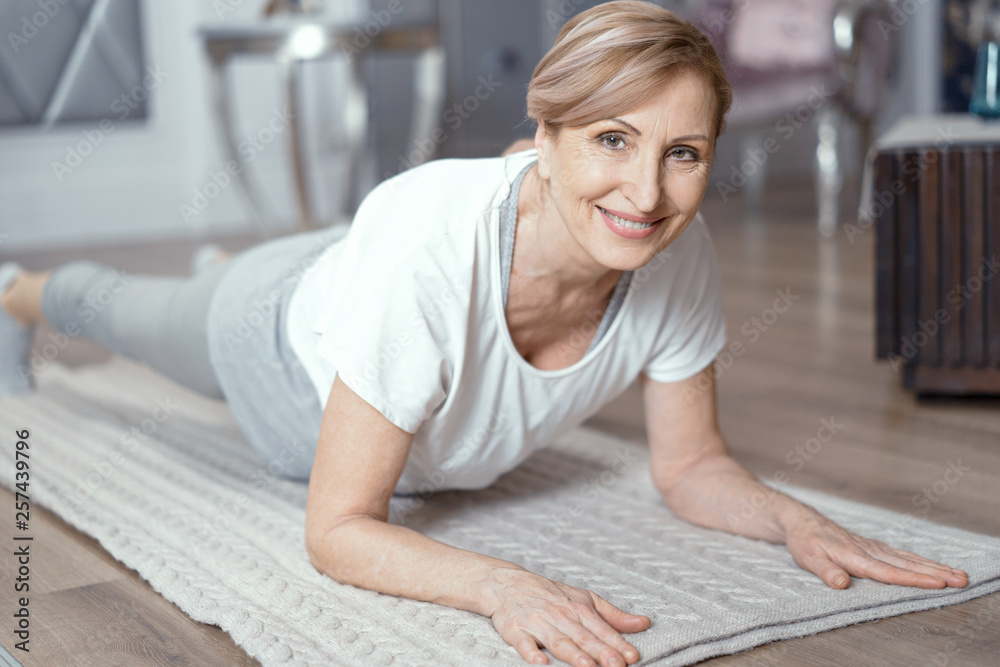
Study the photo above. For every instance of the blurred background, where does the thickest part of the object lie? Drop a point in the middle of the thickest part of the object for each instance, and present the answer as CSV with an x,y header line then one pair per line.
x,y
114,114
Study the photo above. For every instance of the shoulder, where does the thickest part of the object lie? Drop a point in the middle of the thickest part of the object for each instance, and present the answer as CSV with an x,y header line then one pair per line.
x,y
427,201
448,176
449,181
442,198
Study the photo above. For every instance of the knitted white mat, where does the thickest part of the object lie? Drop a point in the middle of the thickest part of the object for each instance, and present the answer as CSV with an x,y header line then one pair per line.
x,y
195,513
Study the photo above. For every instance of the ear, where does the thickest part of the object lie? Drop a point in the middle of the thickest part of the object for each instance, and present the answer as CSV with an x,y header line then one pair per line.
x,y
542,143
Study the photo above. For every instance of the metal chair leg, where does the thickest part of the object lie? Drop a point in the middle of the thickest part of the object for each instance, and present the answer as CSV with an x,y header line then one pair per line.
x,y
261,212
357,124
828,178
428,96
292,73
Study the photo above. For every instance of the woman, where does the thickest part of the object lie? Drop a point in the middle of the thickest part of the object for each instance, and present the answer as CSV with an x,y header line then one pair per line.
x,y
475,310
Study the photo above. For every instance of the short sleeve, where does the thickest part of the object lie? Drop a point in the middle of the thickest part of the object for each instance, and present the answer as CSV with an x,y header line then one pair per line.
x,y
694,332
387,332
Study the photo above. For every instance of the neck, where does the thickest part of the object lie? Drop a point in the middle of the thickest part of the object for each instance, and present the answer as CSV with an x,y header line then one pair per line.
x,y
545,251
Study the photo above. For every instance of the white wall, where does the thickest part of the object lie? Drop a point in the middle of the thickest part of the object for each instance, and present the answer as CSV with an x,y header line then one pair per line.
x,y
136,174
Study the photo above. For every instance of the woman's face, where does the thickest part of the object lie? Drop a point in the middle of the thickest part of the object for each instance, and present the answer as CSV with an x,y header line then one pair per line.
x,y
649,165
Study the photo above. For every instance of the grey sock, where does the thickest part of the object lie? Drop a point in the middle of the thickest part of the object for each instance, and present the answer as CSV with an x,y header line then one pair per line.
x,y
15,342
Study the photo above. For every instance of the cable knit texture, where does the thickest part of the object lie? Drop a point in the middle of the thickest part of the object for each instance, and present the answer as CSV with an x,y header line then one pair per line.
x,y
164,480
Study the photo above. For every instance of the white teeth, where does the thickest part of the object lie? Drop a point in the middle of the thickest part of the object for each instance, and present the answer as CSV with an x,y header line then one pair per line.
x,y
628,223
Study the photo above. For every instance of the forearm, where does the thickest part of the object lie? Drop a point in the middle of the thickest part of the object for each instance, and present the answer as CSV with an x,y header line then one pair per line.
x,y
720,493
396,560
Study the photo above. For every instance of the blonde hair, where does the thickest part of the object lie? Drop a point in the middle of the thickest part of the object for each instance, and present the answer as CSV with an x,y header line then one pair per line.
x,y
616,56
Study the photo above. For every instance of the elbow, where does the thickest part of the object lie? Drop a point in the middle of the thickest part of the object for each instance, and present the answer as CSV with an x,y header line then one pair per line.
x,y
321,542
672,500
317,546
678,497
678,486
668,483
663,482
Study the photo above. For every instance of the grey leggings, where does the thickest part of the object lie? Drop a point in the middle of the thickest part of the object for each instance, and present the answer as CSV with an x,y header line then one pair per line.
x,y
160,321
221,333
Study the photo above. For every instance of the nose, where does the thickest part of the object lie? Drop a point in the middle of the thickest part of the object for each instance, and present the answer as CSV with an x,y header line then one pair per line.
x,y
644,185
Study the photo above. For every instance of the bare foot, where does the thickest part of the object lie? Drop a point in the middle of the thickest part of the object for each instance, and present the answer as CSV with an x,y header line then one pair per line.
x,y
206,256
23,298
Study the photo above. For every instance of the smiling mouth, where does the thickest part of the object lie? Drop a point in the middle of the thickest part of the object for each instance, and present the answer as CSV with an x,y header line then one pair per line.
x,y
629,224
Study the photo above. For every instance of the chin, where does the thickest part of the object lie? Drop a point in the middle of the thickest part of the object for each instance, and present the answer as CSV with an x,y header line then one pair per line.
x,y
625,259
632,254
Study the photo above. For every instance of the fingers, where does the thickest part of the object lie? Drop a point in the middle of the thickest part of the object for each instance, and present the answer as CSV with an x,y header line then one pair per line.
x,y
527,647
879,570
832,574
815,559
911,561
581,647
566,650
609,635
577,635
620,620
574,624
893,569
570,640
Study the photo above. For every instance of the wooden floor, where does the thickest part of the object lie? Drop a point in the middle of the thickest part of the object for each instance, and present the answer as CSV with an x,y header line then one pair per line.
x,y
815,361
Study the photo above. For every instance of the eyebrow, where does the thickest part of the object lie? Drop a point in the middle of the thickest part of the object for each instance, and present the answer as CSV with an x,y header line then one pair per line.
x,y
630,126
689,137
633,128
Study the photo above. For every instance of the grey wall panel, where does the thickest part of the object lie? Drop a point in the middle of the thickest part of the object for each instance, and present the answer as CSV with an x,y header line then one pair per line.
x,y
69,61
35,49
112,68
492,49
10,113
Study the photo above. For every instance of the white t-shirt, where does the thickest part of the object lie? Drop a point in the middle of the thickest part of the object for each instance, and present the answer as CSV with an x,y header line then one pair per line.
x,y
407,307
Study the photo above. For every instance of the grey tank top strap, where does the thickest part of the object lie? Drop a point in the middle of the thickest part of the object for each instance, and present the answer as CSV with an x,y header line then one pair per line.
x,y
508,225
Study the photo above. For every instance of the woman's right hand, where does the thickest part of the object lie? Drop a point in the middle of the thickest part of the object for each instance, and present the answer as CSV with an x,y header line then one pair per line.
x,y
574,624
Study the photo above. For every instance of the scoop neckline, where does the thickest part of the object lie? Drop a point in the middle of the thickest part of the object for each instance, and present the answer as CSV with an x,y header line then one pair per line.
x,y
498,308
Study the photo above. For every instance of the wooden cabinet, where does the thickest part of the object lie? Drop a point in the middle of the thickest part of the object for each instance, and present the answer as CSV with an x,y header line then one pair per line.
x,y
935,207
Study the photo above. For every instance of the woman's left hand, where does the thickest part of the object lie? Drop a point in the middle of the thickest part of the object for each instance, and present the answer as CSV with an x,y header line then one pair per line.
x,y
832,553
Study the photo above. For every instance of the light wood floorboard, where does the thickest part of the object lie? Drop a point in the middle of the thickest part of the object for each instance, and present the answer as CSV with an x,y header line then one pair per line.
x,y
815,361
